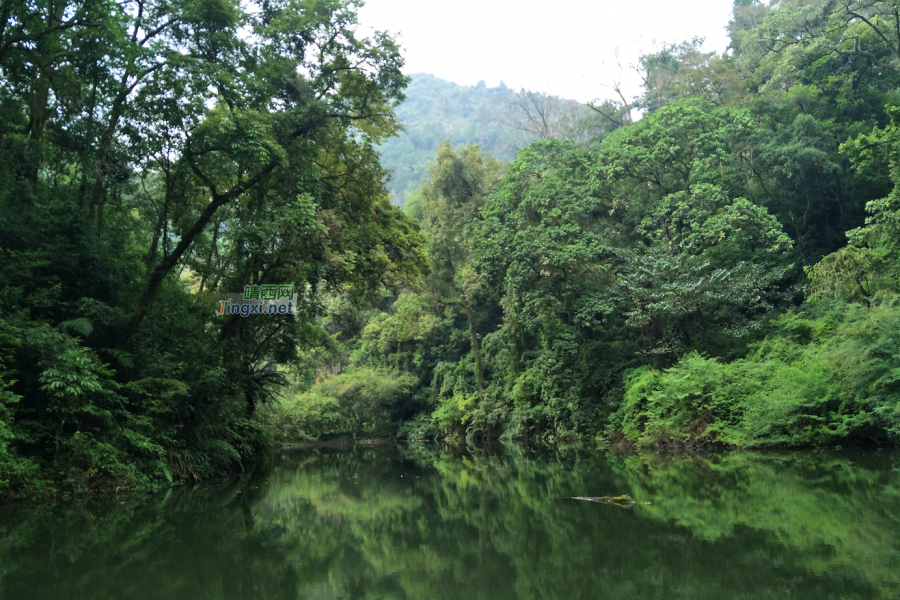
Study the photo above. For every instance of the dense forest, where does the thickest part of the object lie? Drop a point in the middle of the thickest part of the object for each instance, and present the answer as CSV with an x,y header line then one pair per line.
x,y
156,154
715,262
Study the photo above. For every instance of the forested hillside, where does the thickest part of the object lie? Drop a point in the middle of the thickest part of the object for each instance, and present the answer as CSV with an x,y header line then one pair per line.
x,y
723,270
436,110
499,120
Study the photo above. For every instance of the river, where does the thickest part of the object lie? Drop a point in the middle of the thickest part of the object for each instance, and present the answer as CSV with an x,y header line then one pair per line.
x,y
496,522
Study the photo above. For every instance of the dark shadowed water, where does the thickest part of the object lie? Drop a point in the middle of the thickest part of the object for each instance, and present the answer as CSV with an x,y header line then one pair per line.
x,y
431,522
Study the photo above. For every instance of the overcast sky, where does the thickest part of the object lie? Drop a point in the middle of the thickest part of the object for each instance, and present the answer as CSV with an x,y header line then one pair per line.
x,y
562,47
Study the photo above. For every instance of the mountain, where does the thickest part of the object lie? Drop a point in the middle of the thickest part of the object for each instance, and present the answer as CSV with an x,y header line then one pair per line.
x,y
436,110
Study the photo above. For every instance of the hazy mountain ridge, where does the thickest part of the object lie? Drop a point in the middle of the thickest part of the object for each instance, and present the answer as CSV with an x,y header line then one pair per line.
x,y
436,110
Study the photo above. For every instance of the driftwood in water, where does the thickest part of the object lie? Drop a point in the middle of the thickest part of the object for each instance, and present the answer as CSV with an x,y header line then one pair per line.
x,y
617,500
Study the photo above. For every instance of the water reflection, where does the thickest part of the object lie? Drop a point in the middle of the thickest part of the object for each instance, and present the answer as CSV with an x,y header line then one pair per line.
x,y
496,522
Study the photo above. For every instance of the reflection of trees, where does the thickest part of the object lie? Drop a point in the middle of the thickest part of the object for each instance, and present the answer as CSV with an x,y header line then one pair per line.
x,y
839,513
482,523
189,545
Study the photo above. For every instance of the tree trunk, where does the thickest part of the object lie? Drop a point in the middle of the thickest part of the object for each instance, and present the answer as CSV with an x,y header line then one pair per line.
x,y
218,200
170,260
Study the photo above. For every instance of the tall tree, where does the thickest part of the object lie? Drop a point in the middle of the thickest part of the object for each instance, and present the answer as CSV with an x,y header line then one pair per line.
x,y
452,201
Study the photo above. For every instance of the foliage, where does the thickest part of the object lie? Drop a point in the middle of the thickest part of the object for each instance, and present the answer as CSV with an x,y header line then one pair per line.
x,y
870,261
157,155
819,378
358,402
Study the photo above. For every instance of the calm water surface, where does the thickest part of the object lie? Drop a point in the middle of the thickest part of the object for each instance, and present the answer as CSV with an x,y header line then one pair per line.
x,y
430,522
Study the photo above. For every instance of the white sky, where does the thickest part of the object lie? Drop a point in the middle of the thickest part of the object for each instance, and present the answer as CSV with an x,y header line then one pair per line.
x,y
562,47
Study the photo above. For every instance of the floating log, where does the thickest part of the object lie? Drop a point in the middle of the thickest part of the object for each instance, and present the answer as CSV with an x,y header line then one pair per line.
x,y
617,500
